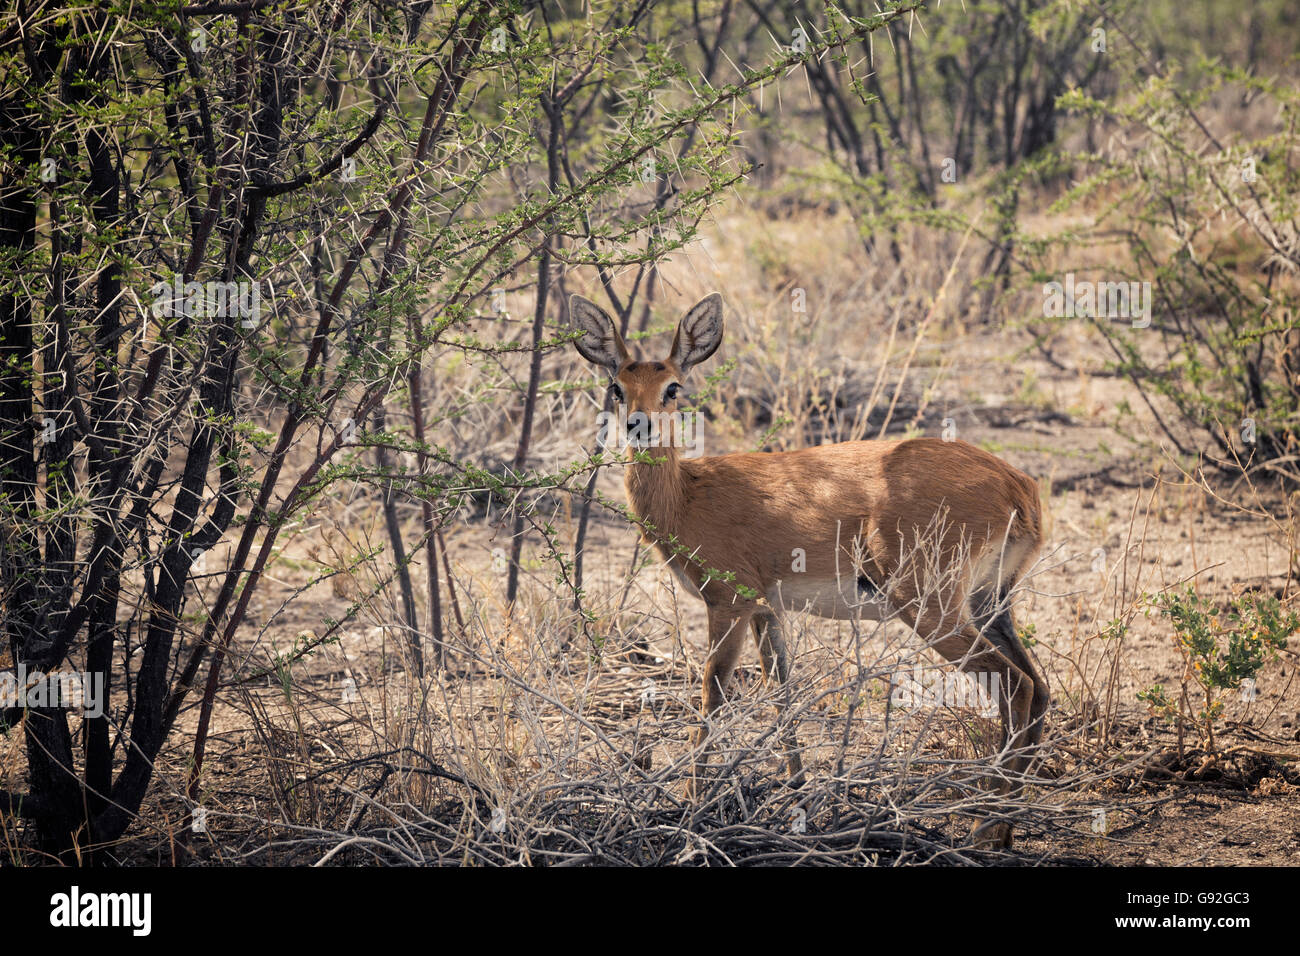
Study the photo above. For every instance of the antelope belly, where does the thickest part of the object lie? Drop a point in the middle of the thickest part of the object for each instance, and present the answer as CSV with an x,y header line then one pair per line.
x,y
844,599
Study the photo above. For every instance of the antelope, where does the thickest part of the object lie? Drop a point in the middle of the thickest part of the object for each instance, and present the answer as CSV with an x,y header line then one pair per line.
x,y
933,531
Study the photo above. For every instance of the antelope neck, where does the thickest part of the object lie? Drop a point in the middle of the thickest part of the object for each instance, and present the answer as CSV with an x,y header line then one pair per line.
x,y
656,491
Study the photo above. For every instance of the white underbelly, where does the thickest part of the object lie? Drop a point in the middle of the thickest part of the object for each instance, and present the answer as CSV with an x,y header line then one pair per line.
x,y
841,600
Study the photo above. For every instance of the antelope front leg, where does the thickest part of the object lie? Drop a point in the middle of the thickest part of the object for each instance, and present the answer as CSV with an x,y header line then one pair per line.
x,y
726,637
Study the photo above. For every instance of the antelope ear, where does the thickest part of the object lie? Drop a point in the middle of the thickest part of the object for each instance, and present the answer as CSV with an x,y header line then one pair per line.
x,y
600,343
698,334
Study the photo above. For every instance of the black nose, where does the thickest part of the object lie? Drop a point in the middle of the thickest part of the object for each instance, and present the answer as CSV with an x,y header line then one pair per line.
x,y
638,427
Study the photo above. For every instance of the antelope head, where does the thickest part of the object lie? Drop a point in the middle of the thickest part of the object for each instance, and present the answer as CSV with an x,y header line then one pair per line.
x,y
650,391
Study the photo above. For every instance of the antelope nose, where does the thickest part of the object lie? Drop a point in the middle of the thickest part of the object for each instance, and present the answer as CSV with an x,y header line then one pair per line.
x,y
638,426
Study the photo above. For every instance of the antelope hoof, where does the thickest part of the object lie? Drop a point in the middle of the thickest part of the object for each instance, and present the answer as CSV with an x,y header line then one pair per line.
x,y
794,765
991,835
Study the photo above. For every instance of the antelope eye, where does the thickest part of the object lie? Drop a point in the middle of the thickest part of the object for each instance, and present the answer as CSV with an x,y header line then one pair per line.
x,y
615,392
672,392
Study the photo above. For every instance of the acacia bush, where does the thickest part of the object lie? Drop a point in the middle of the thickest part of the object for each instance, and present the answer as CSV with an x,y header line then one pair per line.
x,y
237,244
1207,218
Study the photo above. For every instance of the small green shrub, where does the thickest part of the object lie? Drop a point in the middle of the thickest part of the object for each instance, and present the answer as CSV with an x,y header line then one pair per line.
x,y
1221,650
